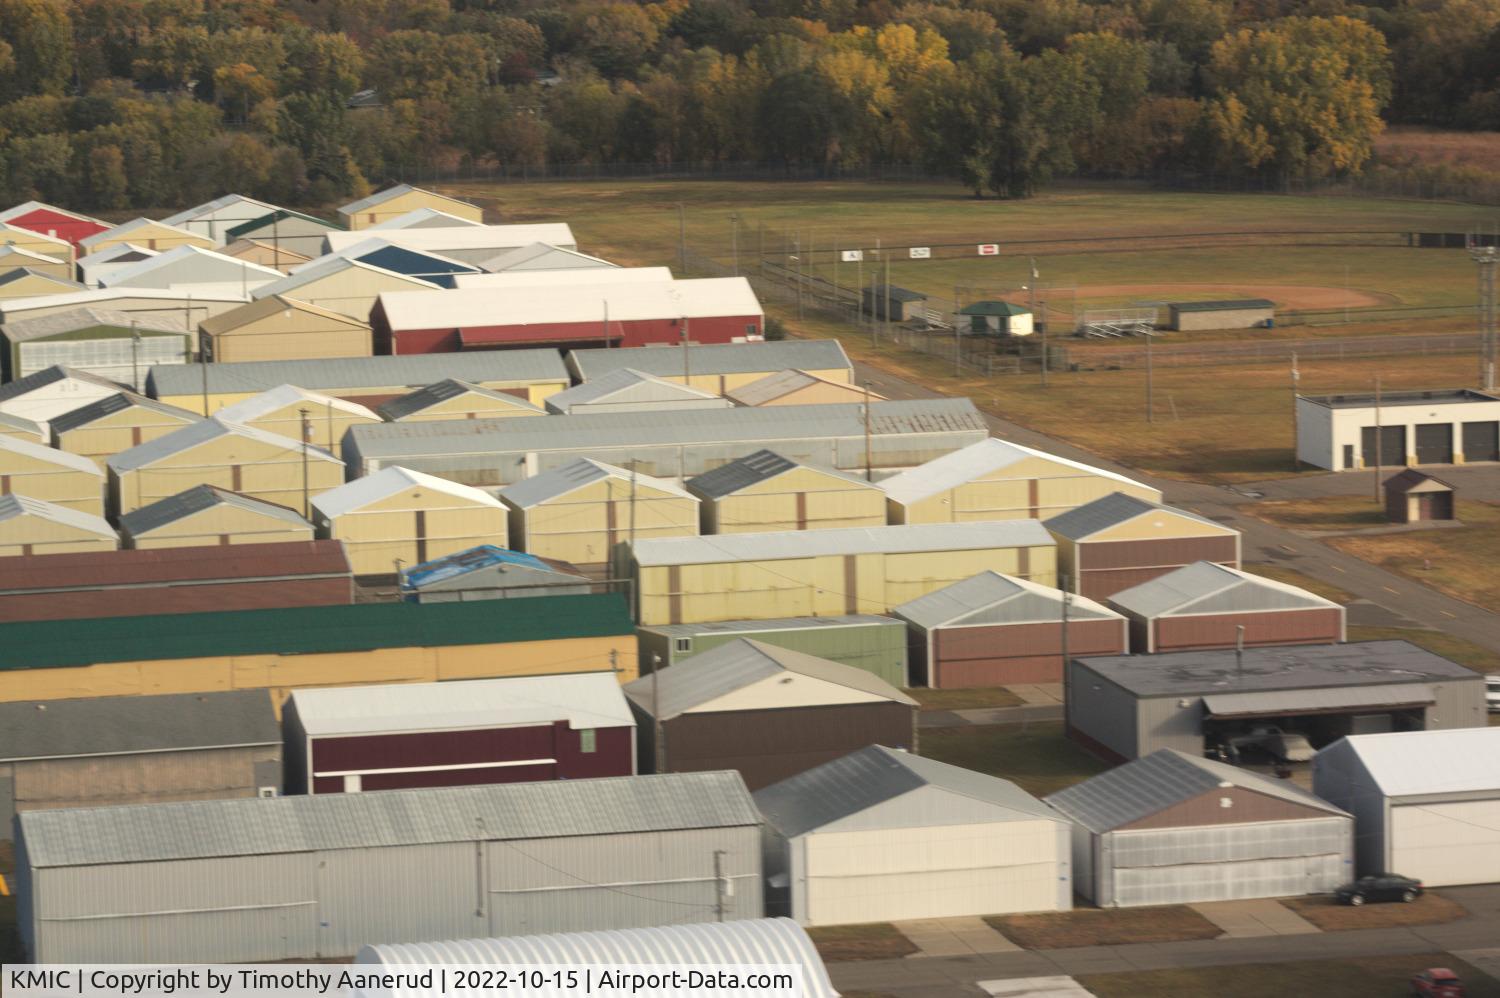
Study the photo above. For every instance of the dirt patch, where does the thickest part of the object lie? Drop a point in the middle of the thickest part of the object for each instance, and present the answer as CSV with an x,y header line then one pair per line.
x,y
1104,927
1330,916
871,941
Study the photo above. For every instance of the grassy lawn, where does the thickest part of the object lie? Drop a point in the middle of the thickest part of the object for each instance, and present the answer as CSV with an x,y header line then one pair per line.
x,y
964,699
1330,916
1331,513
1104,927
1034,756
1459,562
871,941
1358,977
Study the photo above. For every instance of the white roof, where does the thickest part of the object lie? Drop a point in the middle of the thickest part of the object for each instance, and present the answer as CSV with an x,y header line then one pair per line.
x,y
967,464
584,700
51,455
223,269
201,432
589,277
388,482
522,255
114,250
16,307
384,195
468,237
993,598
575,475
1412,763
533,304
282,396
131,226
424,217
325,266
900,539
12,506
216,205
22,251
367,246
626,381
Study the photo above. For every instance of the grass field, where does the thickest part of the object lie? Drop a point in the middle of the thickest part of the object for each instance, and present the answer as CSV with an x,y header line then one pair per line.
x,y
1036,757
1104,927
1330,916
1357,977
870,941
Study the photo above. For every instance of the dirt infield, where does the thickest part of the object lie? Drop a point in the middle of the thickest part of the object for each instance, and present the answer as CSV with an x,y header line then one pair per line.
x,y
1286,296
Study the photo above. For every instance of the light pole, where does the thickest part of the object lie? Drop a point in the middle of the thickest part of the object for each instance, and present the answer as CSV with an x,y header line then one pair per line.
x,y
734,240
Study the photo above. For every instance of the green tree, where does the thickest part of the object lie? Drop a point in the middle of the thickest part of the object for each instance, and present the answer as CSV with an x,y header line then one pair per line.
x,y
39,39
109,187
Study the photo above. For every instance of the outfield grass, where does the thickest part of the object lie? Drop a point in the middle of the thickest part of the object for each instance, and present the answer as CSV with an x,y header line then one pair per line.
x,y
1356,977
1034,756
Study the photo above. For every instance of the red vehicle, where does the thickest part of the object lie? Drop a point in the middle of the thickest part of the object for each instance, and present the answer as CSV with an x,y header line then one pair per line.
x,y
1438,982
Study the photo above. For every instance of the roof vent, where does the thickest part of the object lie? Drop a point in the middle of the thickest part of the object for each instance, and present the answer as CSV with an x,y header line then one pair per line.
x,y
1225,783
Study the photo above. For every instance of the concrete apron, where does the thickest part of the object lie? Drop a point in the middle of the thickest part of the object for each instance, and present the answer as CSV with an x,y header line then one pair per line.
x,y
962,936
1258,917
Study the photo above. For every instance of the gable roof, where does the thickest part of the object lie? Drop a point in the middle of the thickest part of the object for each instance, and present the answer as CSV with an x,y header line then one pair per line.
x,y
714,358
218,203
752,469
1413,763
13,250
1206,587
50,455
131,226
421,218
1412,480
21,423
327,266
1111,511
195,500
111,404
782,383
900,539
992,598
619,382
272,217
260,826
532,251
993,308
61,729
260,308
87,317
442,571
569,278
966,464
575,475
1166,777
388,482
22,273
449,388
739,663
274,399
358,372
113,252
32,235
47,376
244,243
874,775
196,434
11,308
389,193
27,207
380,251
232,268
12,506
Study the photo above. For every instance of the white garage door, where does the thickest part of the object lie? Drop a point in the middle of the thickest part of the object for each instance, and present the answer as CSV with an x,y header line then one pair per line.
x,y
1439,844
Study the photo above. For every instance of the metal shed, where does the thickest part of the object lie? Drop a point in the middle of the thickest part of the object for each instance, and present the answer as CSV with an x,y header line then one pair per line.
x,y
752,942
454,399
1174,828
92,269
285,230
145,232
1426,803
36,239
393,202
215,218
578,513
719,368
115,423
289,411
21,428
765,491
13,257
32,526
791,387
101,341
278,327
1245,313
191,268
1124,707
52,392
802,573
267,254
106,751
188,306
541,257
501,452
881,834
864,641
517,730
994,318
490,572
768,712
422,218
998,480
1204,605
629,390
1412,497
52,475
1120,541
24,282
398,516
290,877
995,630
58,224
207,514
349,287
903,304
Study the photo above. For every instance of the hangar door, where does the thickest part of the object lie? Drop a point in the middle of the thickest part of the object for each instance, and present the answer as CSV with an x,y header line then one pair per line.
x,y
1435,443
1452,843
1482,441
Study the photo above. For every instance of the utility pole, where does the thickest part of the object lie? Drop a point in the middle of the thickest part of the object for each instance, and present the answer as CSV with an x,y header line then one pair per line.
x,y
869,459
306,496
1150,411
606,323
888,331
859,284
681,239
1486,257
658,754
135,356
1063,642
837,254
1031,303
1379,458
719,885
1239,652
1296,377
874,319
687,379
734,240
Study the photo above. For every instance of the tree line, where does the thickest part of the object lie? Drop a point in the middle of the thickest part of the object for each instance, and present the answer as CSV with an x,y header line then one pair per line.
x,y
116,104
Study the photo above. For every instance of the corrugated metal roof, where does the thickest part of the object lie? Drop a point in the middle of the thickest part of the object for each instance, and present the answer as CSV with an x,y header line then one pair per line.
x,y
994,308
326,266
711,674
992,598
1204,587
963,466
317,629
27,207
268,305
1278,702
209,207
524,254
113,252
8,250
420,217
61,323
131,226
1287,667
58,372
111,404
1220,306
13,309
12,506
636,385
782,383
462,238
21,423
715,358
415,370
1111,511
278,398
1166,777
273,825
392,481
153,567
569,278
752,469
382,196
128,725
575,475
390,441
750,627
153,516
757,942
379,251
584,700
201,432
440,572
21,273
1414,763
270,218
48,455
200,266
545,304
842,541
449,388
873,775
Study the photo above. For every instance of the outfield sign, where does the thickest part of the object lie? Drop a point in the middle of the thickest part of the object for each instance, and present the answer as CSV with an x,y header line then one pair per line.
x,y
921,252
989,249
851,256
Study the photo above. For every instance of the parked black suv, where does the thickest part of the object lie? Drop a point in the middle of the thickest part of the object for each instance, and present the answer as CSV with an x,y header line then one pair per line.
x,y
1379,887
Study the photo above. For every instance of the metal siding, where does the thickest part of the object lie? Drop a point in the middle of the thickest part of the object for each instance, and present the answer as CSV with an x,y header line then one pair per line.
x,y
1161,722
1101,710
877,646
1459,703
437,887
1109,567
1017,653
1282,627
1440,844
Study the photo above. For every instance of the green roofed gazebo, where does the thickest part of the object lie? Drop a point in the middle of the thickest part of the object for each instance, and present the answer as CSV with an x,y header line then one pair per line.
x,y
996,318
